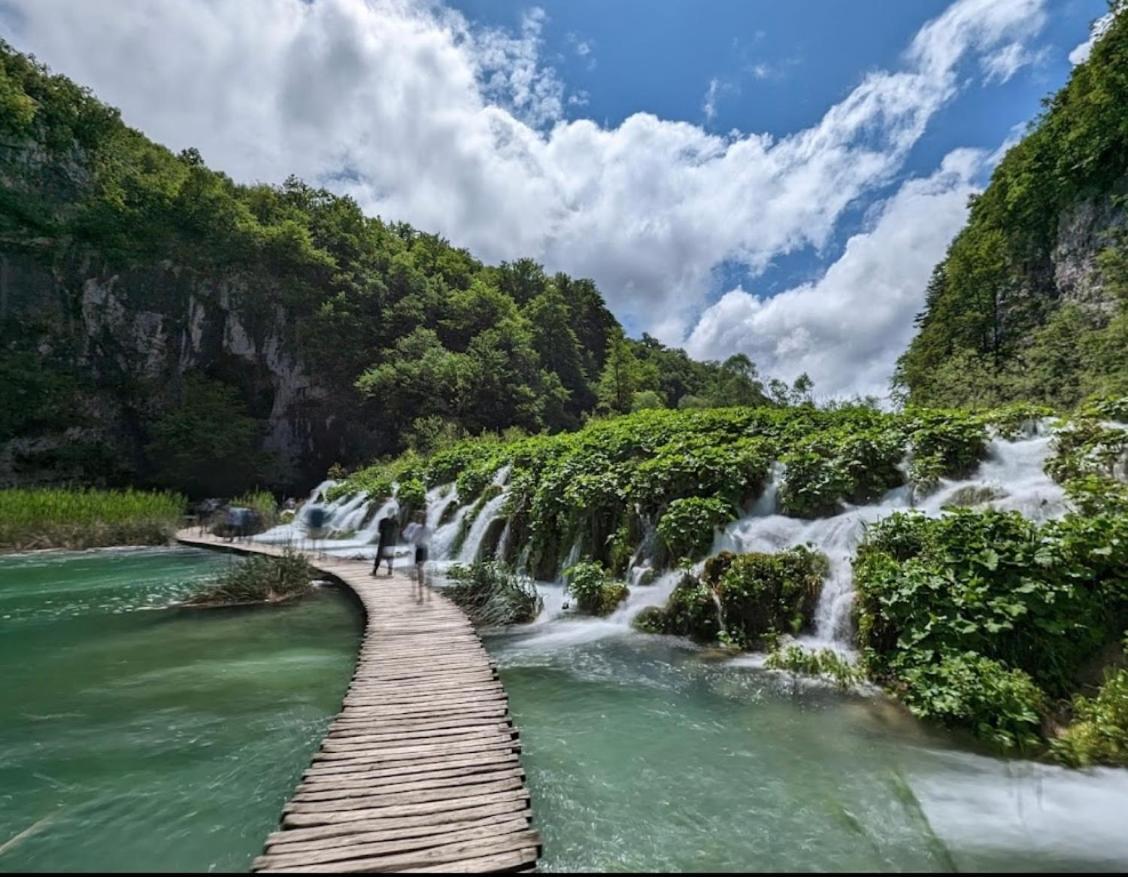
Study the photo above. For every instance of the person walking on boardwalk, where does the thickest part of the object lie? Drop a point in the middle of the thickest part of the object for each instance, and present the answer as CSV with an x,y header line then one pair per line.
x,y
386,546
419,535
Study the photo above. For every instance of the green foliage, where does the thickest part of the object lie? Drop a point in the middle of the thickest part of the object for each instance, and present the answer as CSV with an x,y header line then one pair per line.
x,y
996,326
762,594
825,663
411,494
492,595
263,504
258,579
595,592
1001,706
691,611
945,444
991,593
1099,733
688,526
65,518
207,444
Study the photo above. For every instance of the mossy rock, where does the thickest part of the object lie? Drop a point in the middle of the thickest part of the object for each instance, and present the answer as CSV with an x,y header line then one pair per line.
x,y
652,619
973,495
692,611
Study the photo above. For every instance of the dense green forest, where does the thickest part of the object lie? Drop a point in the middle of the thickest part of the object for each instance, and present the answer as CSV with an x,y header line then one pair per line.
x,y
1031,302
161,324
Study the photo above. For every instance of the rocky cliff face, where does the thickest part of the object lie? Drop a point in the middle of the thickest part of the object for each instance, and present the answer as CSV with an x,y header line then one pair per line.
x,y
134,336
1083,232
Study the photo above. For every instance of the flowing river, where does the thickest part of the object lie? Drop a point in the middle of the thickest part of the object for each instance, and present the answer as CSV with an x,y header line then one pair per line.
x,y
138,739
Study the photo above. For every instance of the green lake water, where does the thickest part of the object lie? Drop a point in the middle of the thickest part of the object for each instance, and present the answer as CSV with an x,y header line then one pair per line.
x,y
154,739
139,738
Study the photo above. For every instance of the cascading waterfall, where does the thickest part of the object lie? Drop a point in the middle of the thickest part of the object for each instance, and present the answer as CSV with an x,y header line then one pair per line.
x,y
1011,474
472,544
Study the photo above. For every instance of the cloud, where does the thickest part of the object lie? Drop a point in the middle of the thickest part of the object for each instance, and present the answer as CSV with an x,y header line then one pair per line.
x,y
1003,64
847,328
461,130
1081,53
709,107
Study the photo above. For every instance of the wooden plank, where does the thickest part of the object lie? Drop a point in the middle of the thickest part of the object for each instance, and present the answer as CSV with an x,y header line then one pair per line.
x,y
438,855
416,821
360,847
315,792
349,744
410,838
400,769
302,820
412,796
484,864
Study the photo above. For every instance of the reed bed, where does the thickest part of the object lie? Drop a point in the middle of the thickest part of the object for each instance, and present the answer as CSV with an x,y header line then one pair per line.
x,y
35,518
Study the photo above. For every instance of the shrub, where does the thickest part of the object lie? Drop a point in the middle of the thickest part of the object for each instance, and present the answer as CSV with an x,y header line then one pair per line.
x,y
999,705
688,526
1099,733
258,579
813,484
763,594
945,444
412,495
691,611
491,594
594,591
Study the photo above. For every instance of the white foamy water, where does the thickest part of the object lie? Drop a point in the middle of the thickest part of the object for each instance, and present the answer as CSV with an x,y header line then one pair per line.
x,y
1012,472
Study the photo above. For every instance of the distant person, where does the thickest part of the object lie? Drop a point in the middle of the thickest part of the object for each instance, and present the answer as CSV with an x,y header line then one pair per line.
x,y
316,520
386,545
230,523
419,535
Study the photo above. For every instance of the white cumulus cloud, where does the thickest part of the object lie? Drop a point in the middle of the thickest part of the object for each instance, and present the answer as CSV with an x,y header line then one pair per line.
x,y
847,328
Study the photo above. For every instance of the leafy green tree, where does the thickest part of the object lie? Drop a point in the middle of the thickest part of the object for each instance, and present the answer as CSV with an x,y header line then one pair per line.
x,y
204,444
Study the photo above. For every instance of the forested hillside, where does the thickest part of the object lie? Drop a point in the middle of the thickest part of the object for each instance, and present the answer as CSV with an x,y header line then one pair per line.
x,y
161,324
1031,302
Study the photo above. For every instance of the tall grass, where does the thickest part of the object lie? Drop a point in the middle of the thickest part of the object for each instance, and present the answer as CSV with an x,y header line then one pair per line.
x,y
492,595
81,518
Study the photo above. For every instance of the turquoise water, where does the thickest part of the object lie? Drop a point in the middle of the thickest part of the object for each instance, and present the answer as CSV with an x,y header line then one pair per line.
x,y
137,738
644,753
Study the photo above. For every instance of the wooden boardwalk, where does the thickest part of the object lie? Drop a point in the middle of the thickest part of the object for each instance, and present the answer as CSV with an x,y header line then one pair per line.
x,y
420,770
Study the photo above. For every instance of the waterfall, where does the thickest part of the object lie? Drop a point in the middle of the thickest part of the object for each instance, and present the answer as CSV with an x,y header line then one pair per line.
x,y
443,537
1011,473
473,542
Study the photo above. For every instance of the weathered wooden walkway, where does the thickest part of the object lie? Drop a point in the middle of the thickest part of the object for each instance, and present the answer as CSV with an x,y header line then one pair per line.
x,y
420,771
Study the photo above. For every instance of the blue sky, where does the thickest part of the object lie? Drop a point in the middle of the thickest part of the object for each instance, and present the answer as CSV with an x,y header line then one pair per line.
x,y
778,66
772,178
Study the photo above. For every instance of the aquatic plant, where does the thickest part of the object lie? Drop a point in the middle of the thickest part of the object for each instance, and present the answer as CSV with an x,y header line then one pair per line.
x,y
492,594
825,663
595,592
65,518
258,579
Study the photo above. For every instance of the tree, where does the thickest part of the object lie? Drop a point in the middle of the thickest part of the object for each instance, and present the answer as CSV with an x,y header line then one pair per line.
x,y
206,445
620,378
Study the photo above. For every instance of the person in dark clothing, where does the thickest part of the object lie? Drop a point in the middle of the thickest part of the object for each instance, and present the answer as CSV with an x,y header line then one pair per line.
x,y
386,546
